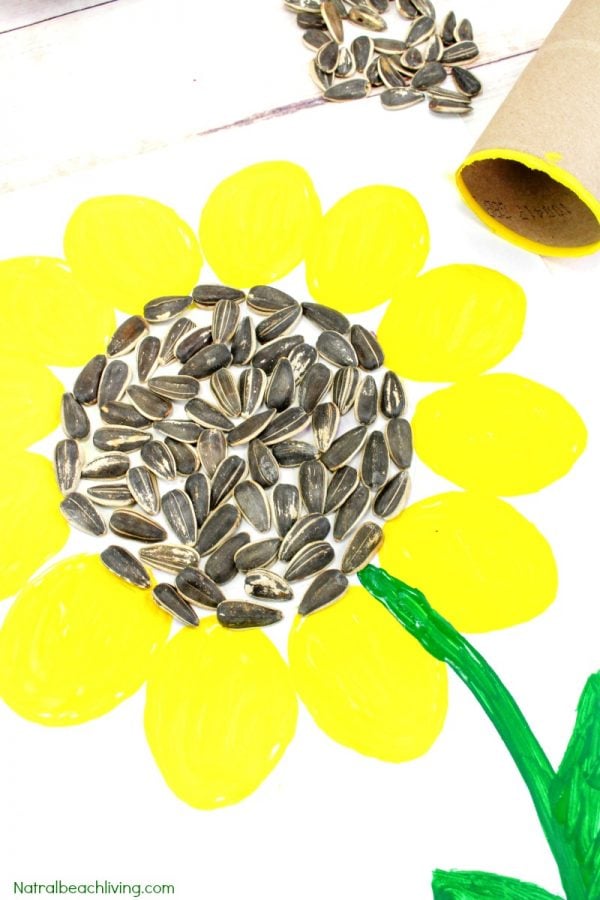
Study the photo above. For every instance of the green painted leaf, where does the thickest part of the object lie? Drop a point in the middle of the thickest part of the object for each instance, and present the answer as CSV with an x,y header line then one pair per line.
x,y
484,886
575,793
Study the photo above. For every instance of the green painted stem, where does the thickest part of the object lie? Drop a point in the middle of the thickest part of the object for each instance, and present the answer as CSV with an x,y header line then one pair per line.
x,y
410,607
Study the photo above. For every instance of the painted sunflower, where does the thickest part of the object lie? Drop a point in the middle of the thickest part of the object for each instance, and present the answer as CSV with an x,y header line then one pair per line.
x,y
221,705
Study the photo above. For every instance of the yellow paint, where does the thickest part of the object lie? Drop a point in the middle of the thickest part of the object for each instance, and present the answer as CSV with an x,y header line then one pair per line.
x,y
31,525
127,250
479,562
220,712
452,322
30,396
500,434
255,225
76,642
42,295
368,684
365,246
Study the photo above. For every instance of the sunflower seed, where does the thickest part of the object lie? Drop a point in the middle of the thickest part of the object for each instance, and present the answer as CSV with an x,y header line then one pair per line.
x,y
290,454
206,361
301,358
111,465
193,342
74,418
170,600
148,403
224,388
342,484
424,7
345,386
327,57
412,59
174,387
243,614
312,480
251,428
309,561
367,347
162,309
170,558
431,74
435,49
327,587
375,461
341,8
307,530
439,93
179,513
112,494
266,585
285,425
313,386
243,345
178,329
148,356
207,415
220,565
466,82
373,74
365,404
286,507
450,107
392,496
344,448
229,473
464,31
198,588
220,524
351,511
278,324
345,67
391,397
180,430
252,501
68,464
398,438
407,9
81,513
336,349
314,39
325,424
281,386
422,28
368,19
263,465
143,485
115,378
333,20
159,459
362,49
116,412
354,89
186,457
125,565
267,356
257,555
388,47
212,447
390,77
252,385
127,336
264,299
206,296
460,52
303,5
85,389
133,525
224,320
197,488
311,20
379,6
120,437
362,547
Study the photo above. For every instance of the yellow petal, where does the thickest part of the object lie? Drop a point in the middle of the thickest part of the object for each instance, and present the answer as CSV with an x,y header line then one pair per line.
x,y
31,525
128,250
220,711
31,397
42,299
452,322
479,562
76,642
256,223
365,246
501,434
368,684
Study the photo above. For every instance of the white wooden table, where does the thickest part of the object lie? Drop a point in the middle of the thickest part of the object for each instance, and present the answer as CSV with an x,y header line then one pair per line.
x,y
164,99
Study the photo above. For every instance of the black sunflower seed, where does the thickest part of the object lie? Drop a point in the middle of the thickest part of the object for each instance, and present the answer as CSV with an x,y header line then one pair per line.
x,y
367,347
327,587
85,389
133,525
172,602
326,318
244,614
127,336
125,565
220,565
162,309
74,418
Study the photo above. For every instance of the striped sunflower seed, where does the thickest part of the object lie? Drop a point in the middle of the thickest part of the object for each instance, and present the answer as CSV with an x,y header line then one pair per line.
x,y
465,81
312,480
327,587
220,524
278,324
257,555
407,9
301,358
250,428
333,20
143,486
389,46
460,52
325,424
420,30
365,403
290,454
125,565
243,345
412,59
345,67
351,512
81,513
197,487
181,431
429,75
112,494
170,558
309,561
212,448
366,18
440,93
74,418
68,463
389,76
323,80
198,588
264,299
313,386
375,461
224,388
392,496
186,457
424,7
345,386
229,473
286,507
392,401
314,38
206,361
148,403
344,448
334,348
353,89
447,107
266,585
285,425
179,513
252,386
344,481
244,614
110,465
401,98
263,465
327,57
267,356
362,547
253,504
226,314
280,389
307,530
193,342
464,31
398,438
362,49
303,5
127,335
367,348
117,412
373,74
113,383
85,389
220,565
207,415
120,437
133,525
159,459
178,329
163,309
174,387
167,598
435,49
206,296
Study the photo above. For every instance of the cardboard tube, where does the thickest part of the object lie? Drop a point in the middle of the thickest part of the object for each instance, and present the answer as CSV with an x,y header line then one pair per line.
x,y
534,175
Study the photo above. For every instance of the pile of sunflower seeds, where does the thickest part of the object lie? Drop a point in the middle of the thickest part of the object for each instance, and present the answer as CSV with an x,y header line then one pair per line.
x,y
410,70
293,408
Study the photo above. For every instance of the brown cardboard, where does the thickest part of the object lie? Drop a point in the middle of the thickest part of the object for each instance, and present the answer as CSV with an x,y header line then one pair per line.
x,y
534,174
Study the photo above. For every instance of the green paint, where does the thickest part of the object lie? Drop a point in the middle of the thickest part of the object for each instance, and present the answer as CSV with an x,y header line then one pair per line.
x,y
410,607
484,886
